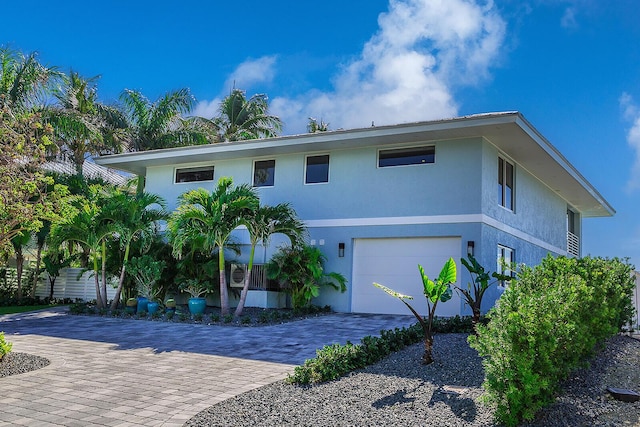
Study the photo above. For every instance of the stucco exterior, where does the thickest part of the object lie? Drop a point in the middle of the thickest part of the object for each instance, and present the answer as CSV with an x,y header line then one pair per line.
x,y
455,196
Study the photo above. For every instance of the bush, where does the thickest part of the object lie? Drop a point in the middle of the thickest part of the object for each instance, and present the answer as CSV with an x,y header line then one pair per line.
x,y
5,346
333,361
545,325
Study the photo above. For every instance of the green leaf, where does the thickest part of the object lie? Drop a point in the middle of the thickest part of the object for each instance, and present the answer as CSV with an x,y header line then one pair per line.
x,y
448,272
447,294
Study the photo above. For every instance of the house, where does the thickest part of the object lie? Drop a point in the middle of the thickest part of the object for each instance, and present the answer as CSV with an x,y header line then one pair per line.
x,y
379,201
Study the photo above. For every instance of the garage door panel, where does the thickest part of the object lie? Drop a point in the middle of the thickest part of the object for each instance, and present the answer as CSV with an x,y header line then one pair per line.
x,y
399,271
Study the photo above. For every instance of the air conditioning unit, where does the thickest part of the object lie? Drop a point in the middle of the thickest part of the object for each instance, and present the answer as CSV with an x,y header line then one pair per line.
x,y
236,278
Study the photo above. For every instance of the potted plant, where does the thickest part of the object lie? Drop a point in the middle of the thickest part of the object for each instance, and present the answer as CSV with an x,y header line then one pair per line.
x,y
197,289
131,305
170,305
146,272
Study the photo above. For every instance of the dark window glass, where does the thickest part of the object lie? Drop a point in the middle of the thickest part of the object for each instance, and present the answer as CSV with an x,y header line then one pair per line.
x,y
264,173
407,156
194,174
317,169
505,183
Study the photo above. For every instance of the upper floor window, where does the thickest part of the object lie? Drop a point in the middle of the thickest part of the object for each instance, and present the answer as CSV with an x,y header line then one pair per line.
x,y
317,169
264,172
407,156
204,173
505,183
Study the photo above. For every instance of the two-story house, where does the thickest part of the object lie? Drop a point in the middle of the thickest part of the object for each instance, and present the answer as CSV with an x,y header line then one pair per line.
x,y
379,201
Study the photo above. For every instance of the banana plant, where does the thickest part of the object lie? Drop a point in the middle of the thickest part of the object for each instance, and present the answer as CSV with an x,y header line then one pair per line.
x,y
475,290
435,291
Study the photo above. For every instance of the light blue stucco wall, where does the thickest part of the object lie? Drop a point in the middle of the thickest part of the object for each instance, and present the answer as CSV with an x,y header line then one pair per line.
x,y
462,181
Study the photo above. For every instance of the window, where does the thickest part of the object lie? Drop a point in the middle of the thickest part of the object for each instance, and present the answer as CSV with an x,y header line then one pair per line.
x,y
317,169
264,172
505,183
406,156
506,259
204,173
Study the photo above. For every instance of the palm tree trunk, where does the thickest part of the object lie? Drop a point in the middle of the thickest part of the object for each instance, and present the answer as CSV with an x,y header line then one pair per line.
x,y
104,275
116,298
19,269
97,281
224,295
247,280
36,276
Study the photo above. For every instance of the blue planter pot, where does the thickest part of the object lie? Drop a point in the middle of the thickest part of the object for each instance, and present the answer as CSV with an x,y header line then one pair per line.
x,y
142,304
152,307
197,305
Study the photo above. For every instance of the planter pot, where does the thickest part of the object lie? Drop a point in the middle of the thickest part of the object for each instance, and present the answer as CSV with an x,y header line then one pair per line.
x,y
142,304
152,307
197,305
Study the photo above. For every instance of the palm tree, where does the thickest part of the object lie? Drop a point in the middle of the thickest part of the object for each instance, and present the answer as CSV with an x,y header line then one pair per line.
x,y
208,218
134,217
262,224
23,79
89,229
240,118
160,124
83,125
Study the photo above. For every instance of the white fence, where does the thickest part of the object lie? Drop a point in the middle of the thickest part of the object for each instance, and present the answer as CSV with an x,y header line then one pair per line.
x,y
69,285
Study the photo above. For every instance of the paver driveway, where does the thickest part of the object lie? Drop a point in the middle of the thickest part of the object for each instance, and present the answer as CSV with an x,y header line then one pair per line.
x,y
117,372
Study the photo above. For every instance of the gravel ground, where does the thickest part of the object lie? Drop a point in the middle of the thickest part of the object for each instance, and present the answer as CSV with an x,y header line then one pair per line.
x,y
399,391
18,363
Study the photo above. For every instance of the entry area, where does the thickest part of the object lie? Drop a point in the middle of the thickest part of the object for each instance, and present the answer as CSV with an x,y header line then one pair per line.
x,y
393,262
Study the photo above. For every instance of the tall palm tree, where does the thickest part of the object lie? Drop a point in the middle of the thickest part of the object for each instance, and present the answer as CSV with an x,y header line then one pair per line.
x,y
134,217
208,218
23,80
160,124
240,118
262,224
83,125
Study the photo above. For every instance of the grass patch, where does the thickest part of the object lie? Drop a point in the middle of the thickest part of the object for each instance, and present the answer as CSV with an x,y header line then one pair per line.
x,y
22,308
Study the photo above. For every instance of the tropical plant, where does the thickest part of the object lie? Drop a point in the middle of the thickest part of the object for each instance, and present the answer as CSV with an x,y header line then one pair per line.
x,y
54,261
146,272
480,283
23,80
434,291
196,288
159,124
204,220
84,126
5,346
314,126
89,228
300,270
261,225
18,242
240,118
134,217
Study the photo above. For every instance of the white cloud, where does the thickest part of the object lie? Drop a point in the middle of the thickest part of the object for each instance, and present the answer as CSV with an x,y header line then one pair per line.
x,y
632,113
568,20
250,72
408,70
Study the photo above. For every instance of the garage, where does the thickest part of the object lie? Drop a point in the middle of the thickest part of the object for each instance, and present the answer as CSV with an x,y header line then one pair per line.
x,y
393,262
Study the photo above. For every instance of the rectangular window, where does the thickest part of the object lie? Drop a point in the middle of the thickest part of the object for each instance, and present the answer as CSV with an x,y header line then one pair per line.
x,y
264,172
506,258
204,173
317,169
407,156
505,183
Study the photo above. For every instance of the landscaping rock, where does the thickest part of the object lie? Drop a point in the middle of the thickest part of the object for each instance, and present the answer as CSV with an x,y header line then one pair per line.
x,y
624,395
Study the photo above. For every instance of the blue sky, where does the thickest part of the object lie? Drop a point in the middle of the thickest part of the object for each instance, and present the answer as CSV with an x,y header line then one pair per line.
x,y
571,67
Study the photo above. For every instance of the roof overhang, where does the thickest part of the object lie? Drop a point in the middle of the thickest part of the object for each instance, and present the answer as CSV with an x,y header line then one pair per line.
x,y
510,132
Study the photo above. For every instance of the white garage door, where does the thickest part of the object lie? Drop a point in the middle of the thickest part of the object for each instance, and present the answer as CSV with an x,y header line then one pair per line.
x,y
393,262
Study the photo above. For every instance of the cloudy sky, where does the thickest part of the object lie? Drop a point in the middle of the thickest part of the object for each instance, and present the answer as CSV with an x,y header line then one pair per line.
x,y
571,67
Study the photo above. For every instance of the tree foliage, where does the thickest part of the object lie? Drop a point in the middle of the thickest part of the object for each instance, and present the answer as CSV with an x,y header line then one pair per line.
x,y
240,118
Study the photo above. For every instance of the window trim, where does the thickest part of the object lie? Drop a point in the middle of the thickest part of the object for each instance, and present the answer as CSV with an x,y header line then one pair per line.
x,y
306,165
253,183
430,147
194,168
502,177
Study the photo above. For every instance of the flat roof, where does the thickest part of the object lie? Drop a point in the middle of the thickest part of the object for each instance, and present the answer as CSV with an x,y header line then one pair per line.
x,y
509,131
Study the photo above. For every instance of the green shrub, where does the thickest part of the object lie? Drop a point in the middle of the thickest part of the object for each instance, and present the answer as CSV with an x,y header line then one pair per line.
x,y
245,320
5,346
333,361
545,325
227,318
